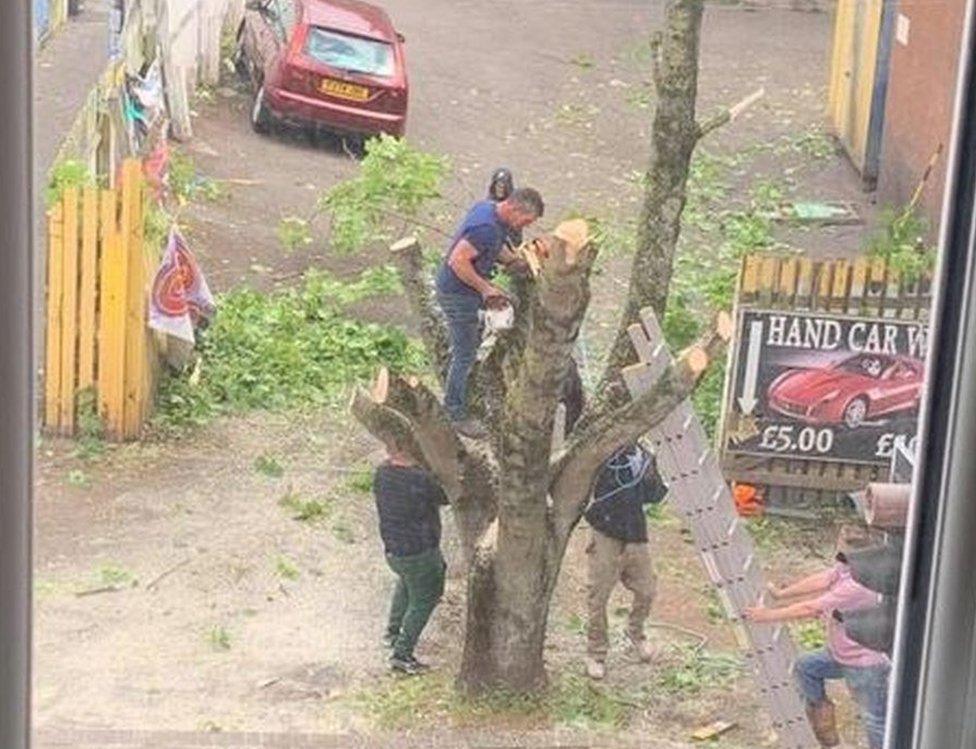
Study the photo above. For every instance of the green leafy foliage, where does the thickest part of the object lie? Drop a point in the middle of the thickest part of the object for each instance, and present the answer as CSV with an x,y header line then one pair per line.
x,y
770,535
112,574
707,397
286,568
361,481
65,174
90,432
268,465
294,233
584,61
186,183
283,350
306,510
79,479
810,635
395,181
815,144
219,639
705,273
696,670
156,223
900,240
571,701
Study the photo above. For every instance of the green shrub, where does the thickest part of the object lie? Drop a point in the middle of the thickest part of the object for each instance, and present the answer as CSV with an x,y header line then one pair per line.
x,y
283,350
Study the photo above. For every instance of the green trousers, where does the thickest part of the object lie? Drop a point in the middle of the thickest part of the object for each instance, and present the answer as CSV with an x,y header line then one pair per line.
x,y
420,585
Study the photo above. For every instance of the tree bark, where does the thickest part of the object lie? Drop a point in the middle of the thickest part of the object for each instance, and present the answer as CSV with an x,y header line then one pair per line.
x,y
517,577
674,133
516,507
409,260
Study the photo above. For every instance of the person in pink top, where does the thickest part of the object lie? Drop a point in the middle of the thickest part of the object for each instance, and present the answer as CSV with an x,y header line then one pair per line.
x,y
865,671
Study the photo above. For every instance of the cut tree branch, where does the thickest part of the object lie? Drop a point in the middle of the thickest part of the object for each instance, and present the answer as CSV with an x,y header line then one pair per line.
x,y
729,115
440,448
406,412
562,296
574,470
409,260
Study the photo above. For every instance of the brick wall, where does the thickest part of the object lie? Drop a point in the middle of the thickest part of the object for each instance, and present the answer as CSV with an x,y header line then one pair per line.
x,y
921,93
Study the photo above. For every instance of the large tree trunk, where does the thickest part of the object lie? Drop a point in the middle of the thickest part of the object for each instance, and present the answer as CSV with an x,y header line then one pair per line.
x,y
519,495
508,604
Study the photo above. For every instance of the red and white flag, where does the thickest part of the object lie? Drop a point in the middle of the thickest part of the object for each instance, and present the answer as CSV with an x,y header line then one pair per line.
x,y
180,295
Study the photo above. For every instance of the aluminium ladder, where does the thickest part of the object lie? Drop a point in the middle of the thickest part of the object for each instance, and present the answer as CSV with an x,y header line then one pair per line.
x,y
701,495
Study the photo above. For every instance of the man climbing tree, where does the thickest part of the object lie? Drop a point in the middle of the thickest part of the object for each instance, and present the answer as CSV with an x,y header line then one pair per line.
x,y
464,288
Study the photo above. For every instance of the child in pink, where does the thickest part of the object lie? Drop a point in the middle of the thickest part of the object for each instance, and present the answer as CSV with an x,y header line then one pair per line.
x,y
864,670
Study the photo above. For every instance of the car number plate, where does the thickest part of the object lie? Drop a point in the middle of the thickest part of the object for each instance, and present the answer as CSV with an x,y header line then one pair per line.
x,y
343,90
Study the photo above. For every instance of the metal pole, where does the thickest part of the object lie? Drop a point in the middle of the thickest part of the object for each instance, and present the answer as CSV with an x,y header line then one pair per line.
x,y
16,373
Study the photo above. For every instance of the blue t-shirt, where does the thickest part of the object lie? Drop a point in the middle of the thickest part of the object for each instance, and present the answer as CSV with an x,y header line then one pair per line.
x,y
486,233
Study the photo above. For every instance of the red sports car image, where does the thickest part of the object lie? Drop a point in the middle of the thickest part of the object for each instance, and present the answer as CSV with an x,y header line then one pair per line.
x,y
855,390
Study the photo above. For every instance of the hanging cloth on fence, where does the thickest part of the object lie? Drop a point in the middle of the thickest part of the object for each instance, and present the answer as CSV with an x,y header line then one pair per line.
x,y
181,299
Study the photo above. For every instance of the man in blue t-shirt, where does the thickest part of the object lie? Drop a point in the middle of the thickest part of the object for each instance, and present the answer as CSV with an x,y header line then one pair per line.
x,y
464,286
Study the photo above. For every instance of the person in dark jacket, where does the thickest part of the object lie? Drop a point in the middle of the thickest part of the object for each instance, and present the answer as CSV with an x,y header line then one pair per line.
x,y
618,550
408,502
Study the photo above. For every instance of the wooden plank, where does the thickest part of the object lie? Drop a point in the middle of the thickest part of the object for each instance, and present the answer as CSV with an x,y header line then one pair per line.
x,y
839,287
152,357
876,286
787,280
804,284
112,319
89,288
893,292
823,272
859,280
768,271
748,475
69,311
135,309
52,358
750,277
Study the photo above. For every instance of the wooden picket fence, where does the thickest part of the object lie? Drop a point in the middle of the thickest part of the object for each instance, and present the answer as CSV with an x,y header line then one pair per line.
x,y
99,349
864,287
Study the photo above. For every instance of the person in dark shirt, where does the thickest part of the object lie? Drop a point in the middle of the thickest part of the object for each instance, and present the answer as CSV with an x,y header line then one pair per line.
x,y
408,503
618,549
464,286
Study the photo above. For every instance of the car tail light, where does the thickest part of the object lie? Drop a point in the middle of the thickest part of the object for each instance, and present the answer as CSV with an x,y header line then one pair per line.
x,y
297,43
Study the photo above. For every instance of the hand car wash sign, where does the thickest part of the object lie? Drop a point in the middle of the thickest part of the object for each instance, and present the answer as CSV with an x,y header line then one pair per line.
x,y
824,388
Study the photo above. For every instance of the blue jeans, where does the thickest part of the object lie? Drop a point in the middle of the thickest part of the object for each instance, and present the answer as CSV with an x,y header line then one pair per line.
x,y
464,333
869,687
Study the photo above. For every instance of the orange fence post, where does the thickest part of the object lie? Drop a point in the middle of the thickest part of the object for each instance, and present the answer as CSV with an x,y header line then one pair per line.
x,y
135,308
89,288
69,310
111,350
52,358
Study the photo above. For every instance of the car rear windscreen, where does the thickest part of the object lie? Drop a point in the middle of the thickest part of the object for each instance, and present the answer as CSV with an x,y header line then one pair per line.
x,y
350,53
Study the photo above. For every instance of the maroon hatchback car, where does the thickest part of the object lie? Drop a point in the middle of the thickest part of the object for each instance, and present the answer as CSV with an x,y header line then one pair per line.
x,y
336,64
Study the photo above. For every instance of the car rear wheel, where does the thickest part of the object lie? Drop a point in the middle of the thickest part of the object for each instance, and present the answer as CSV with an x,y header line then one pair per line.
x,y
855,413
260,116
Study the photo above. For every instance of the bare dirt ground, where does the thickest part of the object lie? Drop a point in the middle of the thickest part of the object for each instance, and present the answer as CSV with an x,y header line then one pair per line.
x,y
174,591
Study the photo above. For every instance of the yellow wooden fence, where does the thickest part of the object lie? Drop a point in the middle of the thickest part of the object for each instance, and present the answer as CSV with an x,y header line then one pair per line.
x,y
97,340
